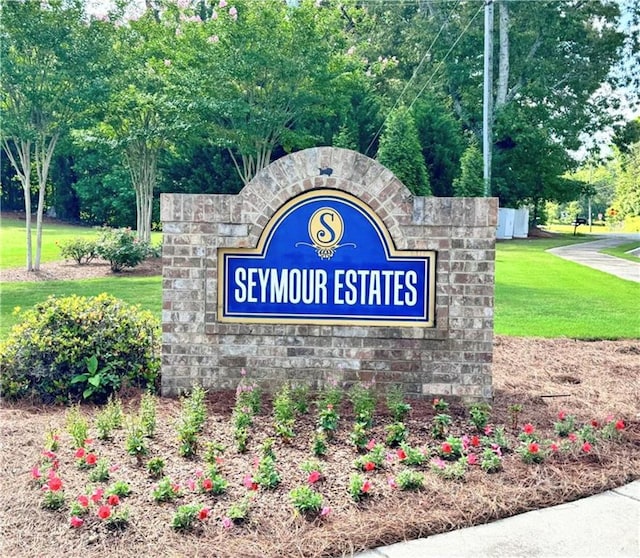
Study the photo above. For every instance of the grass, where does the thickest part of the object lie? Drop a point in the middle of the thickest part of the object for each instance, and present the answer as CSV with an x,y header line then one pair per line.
x,y
537,294
541,295
621,250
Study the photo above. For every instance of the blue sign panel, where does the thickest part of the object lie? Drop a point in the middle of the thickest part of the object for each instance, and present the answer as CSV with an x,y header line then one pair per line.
x,y
325,257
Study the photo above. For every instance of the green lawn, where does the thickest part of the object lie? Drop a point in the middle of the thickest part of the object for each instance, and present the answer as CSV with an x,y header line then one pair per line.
x,y
537,294
621,250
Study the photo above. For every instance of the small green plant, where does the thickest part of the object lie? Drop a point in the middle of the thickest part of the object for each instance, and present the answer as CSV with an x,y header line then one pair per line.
x,y
51,439
186,515
80,250
213,452
396,433
305,500
514,413
100,473
212,482
300,397
119,488
496,437
440,405
147,414
248,395
311,465
241,437
98,383
410,480
331,394
440,425
491,461
155,467
284,413
359,487
398,408
450,471
531,452
319,445
359,436
328,420
238,511
135,444
109,418
166,490
188,438
373,459
77,426
54,497
451,448
267,475
363,401
479,414
411,456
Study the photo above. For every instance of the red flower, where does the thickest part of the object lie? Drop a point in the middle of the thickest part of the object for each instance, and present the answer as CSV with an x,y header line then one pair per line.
x,y
619,425
97,495
446,447
475,441
113,500
91,459
472,459
80,453
83,501
207,484
76,521
55,484
49,454
175,487
572,436
203,514
594,423
35,472
562,415
366,486
369,466
104,512
534,447
586,447
314,476
528,428
554,447
249,483
401,454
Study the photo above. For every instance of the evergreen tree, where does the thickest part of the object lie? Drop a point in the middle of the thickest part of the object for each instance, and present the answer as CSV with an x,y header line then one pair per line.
x,y
470,182
400,151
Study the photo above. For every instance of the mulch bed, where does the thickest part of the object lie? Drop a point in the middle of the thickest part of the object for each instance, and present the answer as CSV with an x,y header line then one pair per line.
x,y
588,379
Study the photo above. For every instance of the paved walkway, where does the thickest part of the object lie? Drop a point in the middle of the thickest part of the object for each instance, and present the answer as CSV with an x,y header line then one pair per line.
x,y
588,253
606,525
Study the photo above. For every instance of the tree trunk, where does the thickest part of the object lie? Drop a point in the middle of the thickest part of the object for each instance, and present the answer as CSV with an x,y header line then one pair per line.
x,y
22,166
44,153
142,162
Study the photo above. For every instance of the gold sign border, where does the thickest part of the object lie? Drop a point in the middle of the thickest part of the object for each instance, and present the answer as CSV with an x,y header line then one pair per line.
x,y
389,246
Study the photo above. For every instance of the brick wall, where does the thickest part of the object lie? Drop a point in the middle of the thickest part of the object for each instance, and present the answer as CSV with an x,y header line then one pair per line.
x,y
453,358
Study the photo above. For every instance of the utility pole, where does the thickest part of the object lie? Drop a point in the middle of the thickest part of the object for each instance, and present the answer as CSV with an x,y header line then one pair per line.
x,y
487,96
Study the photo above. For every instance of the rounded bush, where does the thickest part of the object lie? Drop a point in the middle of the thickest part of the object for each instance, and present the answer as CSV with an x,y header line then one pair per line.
x,y
63,346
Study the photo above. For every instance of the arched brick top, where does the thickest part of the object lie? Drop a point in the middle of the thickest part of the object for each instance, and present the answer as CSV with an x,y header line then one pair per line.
x,y
325,167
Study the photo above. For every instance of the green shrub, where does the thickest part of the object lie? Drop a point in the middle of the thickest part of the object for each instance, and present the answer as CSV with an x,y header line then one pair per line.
x,y
122,248
56,338
80,250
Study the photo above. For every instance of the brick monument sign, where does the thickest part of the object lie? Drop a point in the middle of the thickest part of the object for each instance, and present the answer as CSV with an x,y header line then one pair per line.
x,y
326,268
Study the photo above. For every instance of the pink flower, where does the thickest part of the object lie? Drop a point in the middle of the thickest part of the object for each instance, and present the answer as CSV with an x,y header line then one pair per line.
x,y
243,372
227,522
619,425
175,487
55,484
207,484
554,447
314,476
572,436
222,4
49,454
203,514
325,511
97,495
472,459
76,521
488,430
213,39
104,512
88,441
167,62
214,15
191,484
249,483
528,428
35,473
392,483
80,453
114,468
371,444
366,486
438,462
446,448
199,473
233,13
562,415
401,454
369,466
83,501
113,500
91,459
586,447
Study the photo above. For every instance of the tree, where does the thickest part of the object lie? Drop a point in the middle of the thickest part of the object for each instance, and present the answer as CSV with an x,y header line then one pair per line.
x,y
400,151
470,182
48,51
253,72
